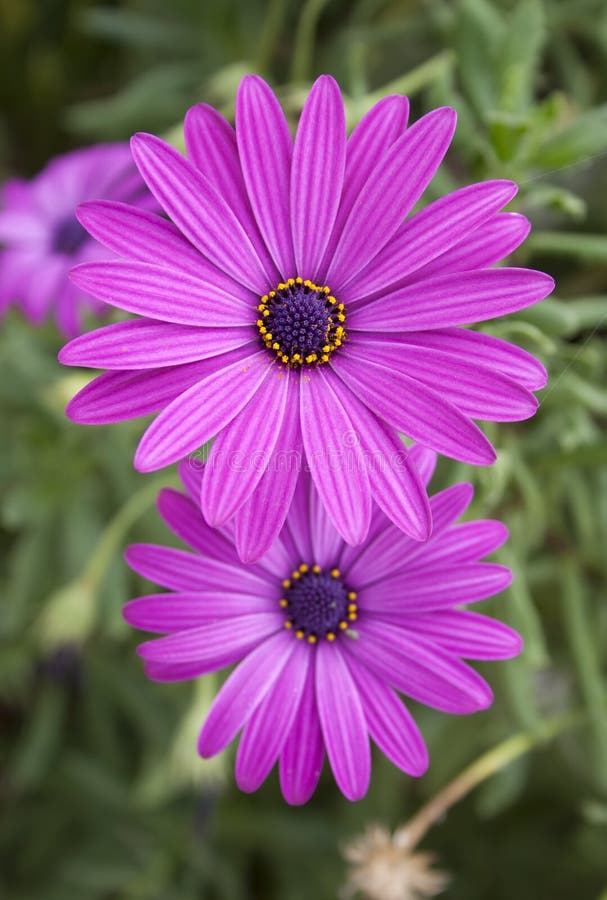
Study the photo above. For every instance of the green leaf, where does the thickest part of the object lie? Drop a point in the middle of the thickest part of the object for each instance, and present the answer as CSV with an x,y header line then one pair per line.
x,y
581,141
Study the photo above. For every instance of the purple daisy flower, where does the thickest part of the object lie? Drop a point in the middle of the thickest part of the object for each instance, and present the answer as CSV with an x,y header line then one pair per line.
x,y
291,309
43,239
324,633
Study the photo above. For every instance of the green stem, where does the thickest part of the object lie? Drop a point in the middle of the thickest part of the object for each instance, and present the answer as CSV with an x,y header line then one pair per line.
x,y
488,764
585,657
117,529
303,52
272,26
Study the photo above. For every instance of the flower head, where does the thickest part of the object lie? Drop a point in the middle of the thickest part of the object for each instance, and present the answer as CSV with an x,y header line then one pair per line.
x,y
290,308
324,633
43,238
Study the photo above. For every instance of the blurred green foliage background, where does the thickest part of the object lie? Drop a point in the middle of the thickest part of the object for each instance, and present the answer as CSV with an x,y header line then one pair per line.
x,y
101,793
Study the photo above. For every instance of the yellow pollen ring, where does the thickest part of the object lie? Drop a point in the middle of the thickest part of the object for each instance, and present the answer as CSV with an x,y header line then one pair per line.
x,y
335,333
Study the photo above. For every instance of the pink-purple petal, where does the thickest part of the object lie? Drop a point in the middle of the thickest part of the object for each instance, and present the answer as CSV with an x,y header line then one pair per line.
x,y
476,390
302,756
463,543
419,669
415,409
265,733
335,456
486,245
342,720
147,344
115,396
198,210
183,517
200,413
443,300
489,351
368,143
211,145
390,723
159,293
394,480
265,148
241,451
176,612
243,692
317,173
428,234
261,518
467,634
436,588
213,643
410,164
179,570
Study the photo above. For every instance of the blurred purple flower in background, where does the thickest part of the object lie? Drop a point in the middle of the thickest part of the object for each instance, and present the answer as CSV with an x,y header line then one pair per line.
x,y
43,239
324,634
291,305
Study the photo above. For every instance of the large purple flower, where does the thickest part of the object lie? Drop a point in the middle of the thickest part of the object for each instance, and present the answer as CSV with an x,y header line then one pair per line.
x,y
43,239
324,633
289,306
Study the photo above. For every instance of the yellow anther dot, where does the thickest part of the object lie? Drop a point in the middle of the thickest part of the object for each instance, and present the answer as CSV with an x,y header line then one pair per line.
x,y
288,624
299,634
343,625
312,639
316,569
286,584
352,595
284,603
335,573
330,636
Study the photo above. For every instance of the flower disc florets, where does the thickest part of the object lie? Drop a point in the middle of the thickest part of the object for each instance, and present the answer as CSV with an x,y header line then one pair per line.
x,y
318,604
301,322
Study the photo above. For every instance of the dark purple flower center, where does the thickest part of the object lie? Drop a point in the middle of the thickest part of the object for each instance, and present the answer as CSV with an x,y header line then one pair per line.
x,y
301,322
69,235
317,603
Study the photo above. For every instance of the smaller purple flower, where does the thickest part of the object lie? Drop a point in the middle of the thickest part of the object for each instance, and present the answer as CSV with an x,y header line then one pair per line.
x,y
324,634
43,239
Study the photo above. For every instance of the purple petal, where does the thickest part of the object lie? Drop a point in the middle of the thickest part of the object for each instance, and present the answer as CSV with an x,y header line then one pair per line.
x,y
265,147
241,451
317,174
390,551
342,721
304,750
486,245
326,541
243,692
428,234
395,483
198,210
166,613
390,723
115,396
297,525
211,144
375,217
424,461
216,644
334,455
179,570
261,518
366,146
463,543
418,669
414,409
476,390
486,350
424,590
466,634
266,731
148,238
144,343
166,294
447,300
184,518
200,413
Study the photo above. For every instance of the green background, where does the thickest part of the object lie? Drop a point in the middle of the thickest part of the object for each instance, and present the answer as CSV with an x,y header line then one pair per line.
x,y
102,796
